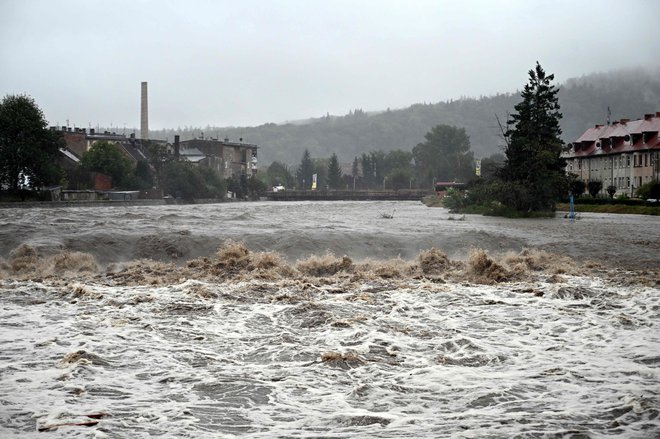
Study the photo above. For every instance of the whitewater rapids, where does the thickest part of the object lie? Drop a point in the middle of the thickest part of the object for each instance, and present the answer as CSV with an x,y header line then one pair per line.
x,y
159,321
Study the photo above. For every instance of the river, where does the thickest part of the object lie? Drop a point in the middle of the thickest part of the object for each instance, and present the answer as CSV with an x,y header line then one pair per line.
x,y
325,319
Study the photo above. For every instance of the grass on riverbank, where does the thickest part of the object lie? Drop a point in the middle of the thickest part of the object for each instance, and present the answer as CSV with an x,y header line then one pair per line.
x,y
612,208
434,201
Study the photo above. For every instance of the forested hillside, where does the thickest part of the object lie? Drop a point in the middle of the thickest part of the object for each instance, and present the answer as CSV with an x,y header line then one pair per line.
x,y
584,102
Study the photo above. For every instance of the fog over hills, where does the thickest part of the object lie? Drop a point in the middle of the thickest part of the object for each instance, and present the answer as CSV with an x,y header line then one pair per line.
x,y
584,101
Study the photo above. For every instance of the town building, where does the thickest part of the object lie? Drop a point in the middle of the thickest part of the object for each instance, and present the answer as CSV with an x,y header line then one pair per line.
x,y
79,140
624,154
230,159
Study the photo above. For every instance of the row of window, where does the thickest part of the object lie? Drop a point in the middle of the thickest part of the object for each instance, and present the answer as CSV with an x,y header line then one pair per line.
x,y
621,161
624,182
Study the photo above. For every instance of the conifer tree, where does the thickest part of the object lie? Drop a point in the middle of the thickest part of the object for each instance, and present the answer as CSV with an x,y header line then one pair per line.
x,y
334,173
534,171
305,171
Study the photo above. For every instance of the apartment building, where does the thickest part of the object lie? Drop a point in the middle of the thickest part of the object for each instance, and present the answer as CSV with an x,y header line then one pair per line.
x,y
624,154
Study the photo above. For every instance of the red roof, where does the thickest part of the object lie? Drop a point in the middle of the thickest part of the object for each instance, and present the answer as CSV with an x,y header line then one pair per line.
x,y
588,144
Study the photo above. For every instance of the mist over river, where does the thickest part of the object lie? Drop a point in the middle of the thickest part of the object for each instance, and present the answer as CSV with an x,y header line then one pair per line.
x,y
324,319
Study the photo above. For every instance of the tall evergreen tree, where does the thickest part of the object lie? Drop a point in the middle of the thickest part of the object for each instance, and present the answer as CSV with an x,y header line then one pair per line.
x,y
334,173
305,171
368,174
534,170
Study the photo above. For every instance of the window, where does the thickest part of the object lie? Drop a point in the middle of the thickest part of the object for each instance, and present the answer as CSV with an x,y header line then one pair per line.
x,y
627,181
627,161
646,159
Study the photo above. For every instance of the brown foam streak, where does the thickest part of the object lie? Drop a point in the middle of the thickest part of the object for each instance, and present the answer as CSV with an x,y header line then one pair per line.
x,y
235,262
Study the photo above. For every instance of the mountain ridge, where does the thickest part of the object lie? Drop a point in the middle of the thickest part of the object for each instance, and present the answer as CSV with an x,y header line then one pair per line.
x,y
584,101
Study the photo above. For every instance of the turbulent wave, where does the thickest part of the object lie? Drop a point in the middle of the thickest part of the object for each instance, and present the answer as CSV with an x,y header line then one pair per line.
x,y
235,262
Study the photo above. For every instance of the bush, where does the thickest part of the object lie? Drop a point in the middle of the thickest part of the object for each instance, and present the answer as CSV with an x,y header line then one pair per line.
x,y
649,190
611,190
578,187
594,187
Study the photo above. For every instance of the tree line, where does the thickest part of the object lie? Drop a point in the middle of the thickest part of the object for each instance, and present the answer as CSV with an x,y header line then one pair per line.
x,y
445,155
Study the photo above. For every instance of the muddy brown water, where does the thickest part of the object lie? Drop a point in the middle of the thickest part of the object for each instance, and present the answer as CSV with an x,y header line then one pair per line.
x,y
298,230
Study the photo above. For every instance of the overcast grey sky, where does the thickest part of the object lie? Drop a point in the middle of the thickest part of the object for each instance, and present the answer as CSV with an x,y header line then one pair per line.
x,y
251,62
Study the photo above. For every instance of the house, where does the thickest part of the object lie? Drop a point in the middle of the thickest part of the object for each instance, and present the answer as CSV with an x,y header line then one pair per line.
x,y
624,154
228,158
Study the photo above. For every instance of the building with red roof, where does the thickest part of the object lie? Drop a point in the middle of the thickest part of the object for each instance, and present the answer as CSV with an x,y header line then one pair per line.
x,y
625,154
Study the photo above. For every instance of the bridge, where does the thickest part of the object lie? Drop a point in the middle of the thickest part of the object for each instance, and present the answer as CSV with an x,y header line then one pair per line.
x,y
342,195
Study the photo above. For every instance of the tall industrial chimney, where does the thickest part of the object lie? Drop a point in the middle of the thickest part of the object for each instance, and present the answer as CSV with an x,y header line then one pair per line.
x,y
144,115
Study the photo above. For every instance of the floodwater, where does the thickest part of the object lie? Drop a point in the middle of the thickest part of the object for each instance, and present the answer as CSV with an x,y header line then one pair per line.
x,y
329,321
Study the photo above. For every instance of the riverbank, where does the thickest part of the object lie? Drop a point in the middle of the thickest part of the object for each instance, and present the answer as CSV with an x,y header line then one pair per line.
x,y
434,201
611,208
110,203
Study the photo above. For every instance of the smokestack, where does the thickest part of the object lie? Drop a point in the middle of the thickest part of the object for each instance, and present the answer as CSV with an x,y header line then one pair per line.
x,y
176,146
144,115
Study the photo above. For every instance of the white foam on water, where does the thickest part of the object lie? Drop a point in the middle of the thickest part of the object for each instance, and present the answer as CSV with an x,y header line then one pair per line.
x,y
257,360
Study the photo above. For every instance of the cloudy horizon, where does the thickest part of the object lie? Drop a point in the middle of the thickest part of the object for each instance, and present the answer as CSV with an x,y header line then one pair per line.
x,y
254,62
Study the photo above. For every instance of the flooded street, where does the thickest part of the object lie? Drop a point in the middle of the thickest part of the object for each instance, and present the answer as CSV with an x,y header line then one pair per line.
x,y
127,320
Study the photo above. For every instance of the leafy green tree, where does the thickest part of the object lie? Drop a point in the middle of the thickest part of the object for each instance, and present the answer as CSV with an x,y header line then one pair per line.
x,y
188,181
158,156
334,173
594,187
400,178
28,150
399,171
278,174
180,180
533,152
256,187
144,174
445,156
397,159
107,158
305,171
214,185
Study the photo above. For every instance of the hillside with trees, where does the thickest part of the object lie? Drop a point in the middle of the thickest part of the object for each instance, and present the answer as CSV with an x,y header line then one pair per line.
x,y
584,102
